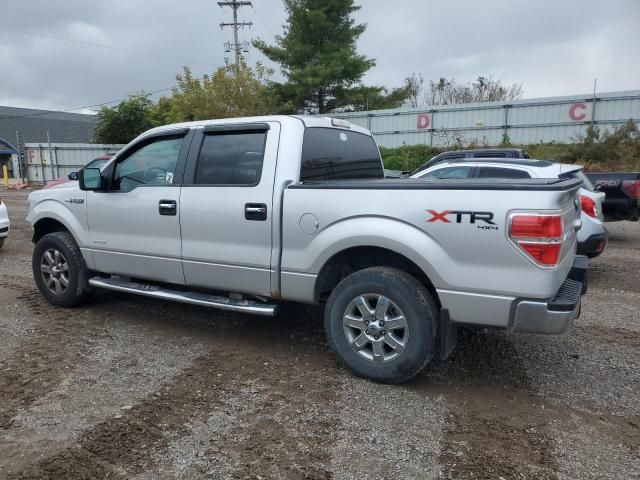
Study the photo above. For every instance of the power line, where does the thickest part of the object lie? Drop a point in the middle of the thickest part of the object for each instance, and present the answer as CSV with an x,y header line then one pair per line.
x,y
262,21
103,45
67,110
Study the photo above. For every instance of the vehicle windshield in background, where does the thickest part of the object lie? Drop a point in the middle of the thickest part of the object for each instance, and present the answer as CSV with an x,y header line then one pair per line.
x,y
333,154
97,163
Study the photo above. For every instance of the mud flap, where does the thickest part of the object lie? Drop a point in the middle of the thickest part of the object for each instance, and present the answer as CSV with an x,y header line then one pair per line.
x,y
448,334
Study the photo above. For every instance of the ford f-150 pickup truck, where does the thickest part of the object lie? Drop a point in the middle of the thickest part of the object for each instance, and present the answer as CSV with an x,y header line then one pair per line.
x,y
240,214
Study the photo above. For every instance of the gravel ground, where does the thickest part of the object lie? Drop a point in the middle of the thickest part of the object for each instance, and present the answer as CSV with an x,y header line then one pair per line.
x,y
127,387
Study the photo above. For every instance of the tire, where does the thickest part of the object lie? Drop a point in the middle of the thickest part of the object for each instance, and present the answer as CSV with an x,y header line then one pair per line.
x,y
393,353
2,241
65,283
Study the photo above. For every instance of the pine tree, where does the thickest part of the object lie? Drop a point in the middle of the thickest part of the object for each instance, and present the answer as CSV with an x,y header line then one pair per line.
x,y
318,57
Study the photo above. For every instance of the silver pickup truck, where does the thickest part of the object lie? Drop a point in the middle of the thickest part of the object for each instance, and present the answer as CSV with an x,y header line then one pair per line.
x,y
240,214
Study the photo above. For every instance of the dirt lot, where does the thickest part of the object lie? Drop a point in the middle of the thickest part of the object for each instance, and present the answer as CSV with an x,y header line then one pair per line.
x,y
127,387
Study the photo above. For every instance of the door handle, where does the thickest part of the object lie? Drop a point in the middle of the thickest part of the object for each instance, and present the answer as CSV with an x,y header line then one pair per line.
x,y
255,211
167,207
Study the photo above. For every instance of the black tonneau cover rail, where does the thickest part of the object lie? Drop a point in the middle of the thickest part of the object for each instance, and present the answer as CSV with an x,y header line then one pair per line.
x,y
558,184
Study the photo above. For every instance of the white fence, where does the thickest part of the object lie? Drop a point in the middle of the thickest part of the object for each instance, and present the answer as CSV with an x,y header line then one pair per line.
x,y
558,119
56,160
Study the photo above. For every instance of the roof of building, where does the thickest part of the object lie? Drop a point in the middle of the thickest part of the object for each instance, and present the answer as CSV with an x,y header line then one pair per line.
x,y
6,148
34,124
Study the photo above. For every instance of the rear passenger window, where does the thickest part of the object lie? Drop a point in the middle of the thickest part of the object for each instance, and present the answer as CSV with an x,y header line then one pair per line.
x,y
449,172
231,158
334,154
496,172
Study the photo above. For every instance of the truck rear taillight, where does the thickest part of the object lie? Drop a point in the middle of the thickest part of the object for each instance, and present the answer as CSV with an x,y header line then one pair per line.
x,y
536,226
588,206
631,188
537,235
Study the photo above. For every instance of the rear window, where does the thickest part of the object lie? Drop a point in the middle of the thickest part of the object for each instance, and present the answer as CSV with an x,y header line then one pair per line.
x,y
496,172
334,154
585,180
449,172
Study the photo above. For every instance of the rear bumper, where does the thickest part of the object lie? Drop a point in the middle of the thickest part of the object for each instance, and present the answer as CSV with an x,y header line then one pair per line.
x,y
594,245
554,315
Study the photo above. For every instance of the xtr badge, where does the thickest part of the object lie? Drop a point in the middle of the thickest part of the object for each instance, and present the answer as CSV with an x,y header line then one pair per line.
x,y
463,216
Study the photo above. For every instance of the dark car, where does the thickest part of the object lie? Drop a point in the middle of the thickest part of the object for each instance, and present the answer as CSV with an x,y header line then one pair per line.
x,y
623,194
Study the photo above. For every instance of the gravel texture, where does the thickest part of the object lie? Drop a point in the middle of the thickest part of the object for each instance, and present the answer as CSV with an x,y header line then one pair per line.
x,y
127,387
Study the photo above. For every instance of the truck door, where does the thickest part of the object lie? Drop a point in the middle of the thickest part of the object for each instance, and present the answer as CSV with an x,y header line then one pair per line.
x,y
134,226
226,211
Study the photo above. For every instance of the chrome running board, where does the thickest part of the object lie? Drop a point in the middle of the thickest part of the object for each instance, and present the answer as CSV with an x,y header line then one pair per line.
x,y
194,298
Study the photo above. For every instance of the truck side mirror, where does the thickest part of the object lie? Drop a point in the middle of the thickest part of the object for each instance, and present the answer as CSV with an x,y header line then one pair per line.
x,y
73,176
90,179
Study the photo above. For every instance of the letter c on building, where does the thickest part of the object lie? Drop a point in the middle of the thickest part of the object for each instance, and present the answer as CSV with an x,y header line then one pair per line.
x,y
423,120
574,114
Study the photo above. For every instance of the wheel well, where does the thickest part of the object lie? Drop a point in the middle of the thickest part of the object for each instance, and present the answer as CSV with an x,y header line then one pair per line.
x,y
353,259
45,226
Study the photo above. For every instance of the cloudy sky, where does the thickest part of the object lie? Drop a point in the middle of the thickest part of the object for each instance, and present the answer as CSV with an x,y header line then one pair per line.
x,y
63,54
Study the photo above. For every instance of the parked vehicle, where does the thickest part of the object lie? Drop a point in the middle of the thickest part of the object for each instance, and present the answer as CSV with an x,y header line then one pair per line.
x,y
623,194
5,225
97,162
592,236
461,154
239,214
453,155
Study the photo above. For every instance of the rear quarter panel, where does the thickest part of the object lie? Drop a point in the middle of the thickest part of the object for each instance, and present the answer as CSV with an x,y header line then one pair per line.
x,y
455,256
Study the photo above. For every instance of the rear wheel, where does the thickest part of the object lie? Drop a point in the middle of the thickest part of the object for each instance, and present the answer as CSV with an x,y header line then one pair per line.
x,y
380,322
59,270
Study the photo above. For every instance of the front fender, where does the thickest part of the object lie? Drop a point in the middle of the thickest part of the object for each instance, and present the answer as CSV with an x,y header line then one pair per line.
x,y
73,219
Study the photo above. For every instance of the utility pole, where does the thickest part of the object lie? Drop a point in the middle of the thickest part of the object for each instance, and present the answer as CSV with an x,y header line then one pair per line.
x,y
236,46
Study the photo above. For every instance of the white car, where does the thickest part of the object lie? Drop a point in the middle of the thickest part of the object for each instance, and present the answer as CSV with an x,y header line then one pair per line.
x,y
4,223
592,237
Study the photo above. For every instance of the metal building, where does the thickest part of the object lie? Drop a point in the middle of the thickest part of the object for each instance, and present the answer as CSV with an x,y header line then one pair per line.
x,y
556,119
56,160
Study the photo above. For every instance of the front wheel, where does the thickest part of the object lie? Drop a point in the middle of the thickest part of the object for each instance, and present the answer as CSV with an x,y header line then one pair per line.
x,y
380,322
59,270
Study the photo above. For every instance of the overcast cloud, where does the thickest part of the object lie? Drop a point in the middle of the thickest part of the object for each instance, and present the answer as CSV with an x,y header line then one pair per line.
x,y
552,47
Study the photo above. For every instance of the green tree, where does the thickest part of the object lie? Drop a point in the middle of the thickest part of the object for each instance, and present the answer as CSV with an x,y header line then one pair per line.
x,y
231,91
318,56
374,98
125,121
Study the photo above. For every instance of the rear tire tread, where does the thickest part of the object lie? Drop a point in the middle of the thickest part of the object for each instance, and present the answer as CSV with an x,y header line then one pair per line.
x,y
405,290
